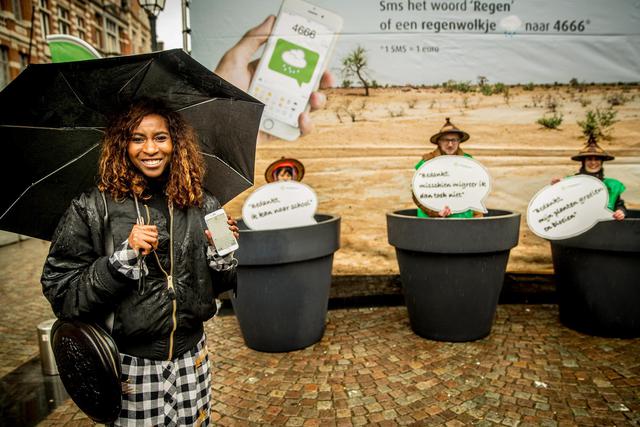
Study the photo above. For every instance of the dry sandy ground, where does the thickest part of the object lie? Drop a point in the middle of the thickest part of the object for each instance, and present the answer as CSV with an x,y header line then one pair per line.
x,y
362,169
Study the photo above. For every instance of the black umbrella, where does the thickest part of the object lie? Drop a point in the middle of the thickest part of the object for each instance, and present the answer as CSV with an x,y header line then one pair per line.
x,y
52,116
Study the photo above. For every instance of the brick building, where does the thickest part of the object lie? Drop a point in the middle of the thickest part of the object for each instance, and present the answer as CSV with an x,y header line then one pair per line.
x,y
113,27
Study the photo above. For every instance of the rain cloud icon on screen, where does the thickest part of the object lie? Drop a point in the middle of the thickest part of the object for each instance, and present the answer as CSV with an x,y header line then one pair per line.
x,y
294,61
295,58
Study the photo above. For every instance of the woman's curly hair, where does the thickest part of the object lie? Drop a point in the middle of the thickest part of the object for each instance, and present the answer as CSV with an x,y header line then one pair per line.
x,y
120,178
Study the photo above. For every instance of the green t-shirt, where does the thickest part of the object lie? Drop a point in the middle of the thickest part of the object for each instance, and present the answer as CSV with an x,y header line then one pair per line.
x,y
465,214
615,189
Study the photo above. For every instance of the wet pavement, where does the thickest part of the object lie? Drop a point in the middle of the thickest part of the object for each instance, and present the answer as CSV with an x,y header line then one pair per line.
x,y
368,369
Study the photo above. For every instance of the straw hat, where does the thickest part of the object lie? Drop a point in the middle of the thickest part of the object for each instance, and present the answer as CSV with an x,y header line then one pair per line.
x,y
296,166
592,149
449,128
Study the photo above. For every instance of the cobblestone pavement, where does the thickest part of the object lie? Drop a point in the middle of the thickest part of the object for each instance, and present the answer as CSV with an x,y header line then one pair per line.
x,y
23,305
371,369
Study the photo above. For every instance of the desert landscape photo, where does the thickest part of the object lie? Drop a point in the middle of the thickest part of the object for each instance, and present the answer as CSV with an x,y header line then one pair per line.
x,y
360,158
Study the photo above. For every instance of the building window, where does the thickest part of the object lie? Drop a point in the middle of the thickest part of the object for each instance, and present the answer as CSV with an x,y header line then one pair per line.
x,y
111,30
64,25
5,77
17,10
134,41
45,17
98,38
81,31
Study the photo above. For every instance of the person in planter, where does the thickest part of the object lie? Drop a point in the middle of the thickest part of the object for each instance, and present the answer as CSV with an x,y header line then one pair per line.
x,y
592,156
162,276
284,170
448,142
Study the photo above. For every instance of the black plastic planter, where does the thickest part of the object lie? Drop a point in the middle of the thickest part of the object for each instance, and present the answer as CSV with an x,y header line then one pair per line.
x,y
452,270
284,278
598,278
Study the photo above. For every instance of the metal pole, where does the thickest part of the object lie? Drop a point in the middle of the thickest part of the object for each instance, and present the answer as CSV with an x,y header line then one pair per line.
x,y
152,25
33,17
186,27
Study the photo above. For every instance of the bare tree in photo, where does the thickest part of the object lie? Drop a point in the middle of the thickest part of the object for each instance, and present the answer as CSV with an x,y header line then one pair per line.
x,y
355,65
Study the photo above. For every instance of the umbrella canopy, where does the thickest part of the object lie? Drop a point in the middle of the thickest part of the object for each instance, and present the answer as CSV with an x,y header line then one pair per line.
x,y
52,118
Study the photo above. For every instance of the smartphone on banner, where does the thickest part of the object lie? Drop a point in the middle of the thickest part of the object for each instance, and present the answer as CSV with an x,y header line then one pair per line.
x,y
223,239
294,58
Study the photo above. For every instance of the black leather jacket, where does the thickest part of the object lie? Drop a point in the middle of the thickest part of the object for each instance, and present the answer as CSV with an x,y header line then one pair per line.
x,y
79,281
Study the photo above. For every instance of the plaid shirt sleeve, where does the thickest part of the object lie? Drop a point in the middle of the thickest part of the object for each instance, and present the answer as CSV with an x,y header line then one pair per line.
x,y
220,263
125,260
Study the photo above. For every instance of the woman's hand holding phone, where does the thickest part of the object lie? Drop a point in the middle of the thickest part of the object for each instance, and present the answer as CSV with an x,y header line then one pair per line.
x,y
233,227
222,232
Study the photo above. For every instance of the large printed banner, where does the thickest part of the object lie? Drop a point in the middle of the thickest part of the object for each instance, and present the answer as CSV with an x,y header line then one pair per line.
x,y
432,41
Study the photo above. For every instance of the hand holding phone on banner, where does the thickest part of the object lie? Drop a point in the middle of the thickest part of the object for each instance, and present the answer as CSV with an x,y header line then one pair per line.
x,y
238,68
459,183
292,66
224,240
568,208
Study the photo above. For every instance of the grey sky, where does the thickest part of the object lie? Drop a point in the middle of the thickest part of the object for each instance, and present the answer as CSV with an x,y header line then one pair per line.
x,y
169,25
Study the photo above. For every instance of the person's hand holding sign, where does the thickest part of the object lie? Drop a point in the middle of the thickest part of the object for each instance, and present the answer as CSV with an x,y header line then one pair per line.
x,y
445,212
237,67
618,215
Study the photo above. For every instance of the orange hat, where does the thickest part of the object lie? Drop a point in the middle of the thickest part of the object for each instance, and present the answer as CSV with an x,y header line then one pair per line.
x,y
296,166
449,128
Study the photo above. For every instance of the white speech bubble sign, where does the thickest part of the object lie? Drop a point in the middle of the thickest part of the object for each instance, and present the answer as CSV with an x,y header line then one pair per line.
x,y
280,204
568,208
459,182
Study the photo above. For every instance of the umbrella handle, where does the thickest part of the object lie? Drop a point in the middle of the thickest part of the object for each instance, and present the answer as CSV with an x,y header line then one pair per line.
x,y
141,278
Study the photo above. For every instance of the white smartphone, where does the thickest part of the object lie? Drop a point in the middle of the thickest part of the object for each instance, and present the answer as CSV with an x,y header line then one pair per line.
x,y
223,239
294,58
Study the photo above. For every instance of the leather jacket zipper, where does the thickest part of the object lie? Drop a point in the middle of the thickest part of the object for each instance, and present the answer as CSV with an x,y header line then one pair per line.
x,y
170,288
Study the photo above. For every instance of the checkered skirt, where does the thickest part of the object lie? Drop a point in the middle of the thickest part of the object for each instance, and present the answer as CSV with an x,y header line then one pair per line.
x,y
166,393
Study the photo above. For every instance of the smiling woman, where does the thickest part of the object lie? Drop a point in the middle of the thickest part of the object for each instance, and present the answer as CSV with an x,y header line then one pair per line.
x,y
160,292
153,138
150,146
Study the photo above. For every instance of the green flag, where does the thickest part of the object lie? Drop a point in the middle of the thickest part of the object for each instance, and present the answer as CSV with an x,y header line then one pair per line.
x,y
66,48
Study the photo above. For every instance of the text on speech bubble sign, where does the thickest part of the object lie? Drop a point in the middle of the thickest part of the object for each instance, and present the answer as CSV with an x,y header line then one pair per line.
x,y
568,208
281,204
461,183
